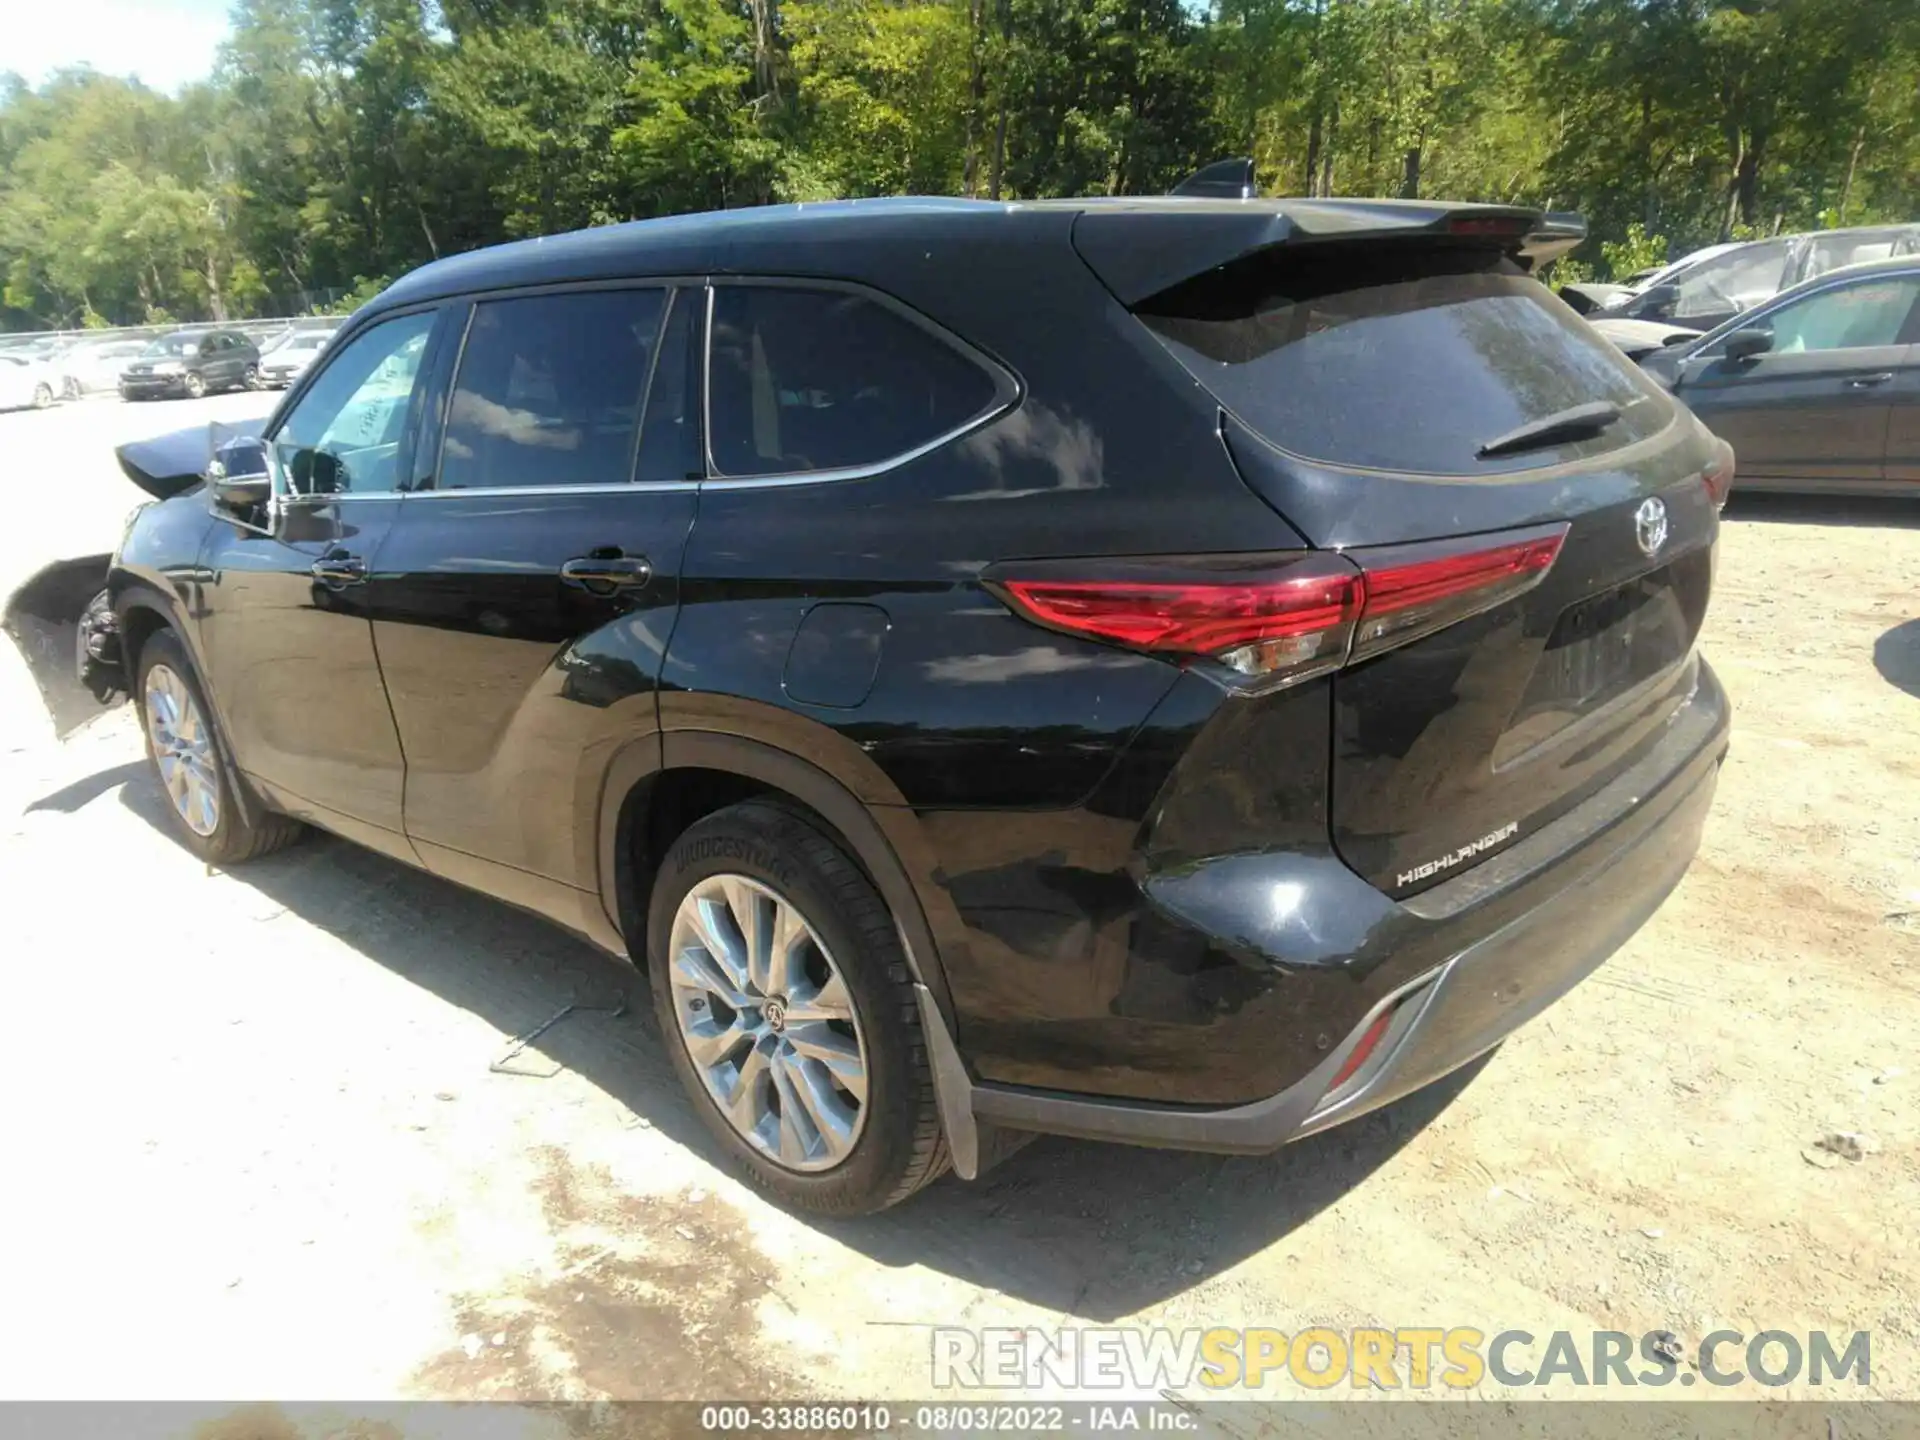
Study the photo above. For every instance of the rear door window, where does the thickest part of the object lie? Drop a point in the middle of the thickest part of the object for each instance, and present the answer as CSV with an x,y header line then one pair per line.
x,y
807,379
549,390
1399,360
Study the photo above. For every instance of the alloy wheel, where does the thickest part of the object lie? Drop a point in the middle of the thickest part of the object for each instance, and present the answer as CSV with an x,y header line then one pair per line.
x,y
768,1022
182,750
42,396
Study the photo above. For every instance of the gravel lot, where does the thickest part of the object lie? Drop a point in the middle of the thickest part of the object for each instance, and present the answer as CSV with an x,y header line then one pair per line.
x,y
256,1148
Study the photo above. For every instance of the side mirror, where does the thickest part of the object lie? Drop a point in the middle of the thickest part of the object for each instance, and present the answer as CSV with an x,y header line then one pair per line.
x,y
238,476
241,492
1747,344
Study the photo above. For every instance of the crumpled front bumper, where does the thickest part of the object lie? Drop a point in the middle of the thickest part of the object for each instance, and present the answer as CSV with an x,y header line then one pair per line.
x,y
56,620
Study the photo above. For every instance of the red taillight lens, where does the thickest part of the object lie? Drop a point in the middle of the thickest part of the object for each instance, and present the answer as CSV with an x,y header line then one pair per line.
x,y
1415,590
1719,476
1281,619
1487,225
1283,622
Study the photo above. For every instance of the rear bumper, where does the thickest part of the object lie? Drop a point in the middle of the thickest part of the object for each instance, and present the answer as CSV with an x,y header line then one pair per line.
x,y
1561,902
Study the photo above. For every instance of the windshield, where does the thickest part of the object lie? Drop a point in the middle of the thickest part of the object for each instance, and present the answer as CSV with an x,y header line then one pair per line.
x,y
1665,274
174,345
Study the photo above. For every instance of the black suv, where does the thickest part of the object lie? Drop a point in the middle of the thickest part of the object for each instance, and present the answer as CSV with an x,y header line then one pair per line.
x,y
1183,672
192,363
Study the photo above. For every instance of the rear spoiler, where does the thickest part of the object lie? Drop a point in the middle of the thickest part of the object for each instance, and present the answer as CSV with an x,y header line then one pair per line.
x,y
1140,247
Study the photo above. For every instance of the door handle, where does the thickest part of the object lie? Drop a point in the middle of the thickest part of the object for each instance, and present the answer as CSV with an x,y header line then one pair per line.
x,y
337,568
1867,382
606,573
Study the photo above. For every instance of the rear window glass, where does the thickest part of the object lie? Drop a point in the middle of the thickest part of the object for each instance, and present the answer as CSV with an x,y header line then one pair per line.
x,y
825,380
1399,360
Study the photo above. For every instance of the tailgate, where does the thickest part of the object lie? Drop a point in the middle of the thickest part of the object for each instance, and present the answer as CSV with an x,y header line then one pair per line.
x,y
1413,402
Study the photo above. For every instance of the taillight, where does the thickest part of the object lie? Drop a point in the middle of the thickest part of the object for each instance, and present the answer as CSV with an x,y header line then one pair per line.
x,y
1278,620
1413,590
1284,621
1719,475
1488,225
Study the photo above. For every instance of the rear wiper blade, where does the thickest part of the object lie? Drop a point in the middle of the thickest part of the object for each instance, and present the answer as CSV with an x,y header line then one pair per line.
x,y
1573,423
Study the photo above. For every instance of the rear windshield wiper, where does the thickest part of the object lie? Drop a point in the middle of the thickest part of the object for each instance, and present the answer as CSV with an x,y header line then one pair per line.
x,y
1574,423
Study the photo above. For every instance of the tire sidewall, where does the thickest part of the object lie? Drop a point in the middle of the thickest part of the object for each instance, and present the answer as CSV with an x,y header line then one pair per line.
x,y
162,648
195,385
758,841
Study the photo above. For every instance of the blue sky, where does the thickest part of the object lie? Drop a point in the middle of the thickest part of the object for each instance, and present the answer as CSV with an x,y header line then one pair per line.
x,y
165,42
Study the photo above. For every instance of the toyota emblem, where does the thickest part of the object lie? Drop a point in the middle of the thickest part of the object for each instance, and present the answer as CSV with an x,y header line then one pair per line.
x,y
1650,526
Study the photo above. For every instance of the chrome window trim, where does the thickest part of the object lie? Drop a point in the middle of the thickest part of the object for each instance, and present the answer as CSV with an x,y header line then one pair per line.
x,y
1008,390
606,487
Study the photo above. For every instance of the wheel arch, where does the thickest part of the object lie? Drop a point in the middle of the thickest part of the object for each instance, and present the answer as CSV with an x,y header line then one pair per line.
x,y
733,768
143,611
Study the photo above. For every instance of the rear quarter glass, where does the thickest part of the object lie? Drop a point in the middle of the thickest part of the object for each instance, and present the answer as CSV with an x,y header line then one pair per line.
x,y
1400,360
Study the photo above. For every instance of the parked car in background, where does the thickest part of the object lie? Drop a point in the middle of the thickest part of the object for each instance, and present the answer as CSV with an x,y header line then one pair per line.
x,y
27,381
1637,339
1591,296
288,358
192,363
1709,289
89,366
1819,389
1101,696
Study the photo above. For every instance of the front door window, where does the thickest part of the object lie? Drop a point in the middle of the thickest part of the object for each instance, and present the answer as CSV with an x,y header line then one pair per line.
x,y
345,436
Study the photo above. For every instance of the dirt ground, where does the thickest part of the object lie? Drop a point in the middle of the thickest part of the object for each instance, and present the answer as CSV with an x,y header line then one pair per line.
x,y
256,1148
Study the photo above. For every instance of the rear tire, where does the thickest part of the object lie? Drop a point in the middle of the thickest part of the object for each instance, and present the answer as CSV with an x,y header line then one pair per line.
x,y
251,380
858,1130
184,749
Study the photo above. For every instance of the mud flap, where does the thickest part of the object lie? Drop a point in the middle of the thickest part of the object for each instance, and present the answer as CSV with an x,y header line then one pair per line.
x,y
44,618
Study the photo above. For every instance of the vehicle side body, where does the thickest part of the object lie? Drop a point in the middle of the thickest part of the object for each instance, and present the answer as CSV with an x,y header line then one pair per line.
x,y
1818,390
27,381
96,365
1137,903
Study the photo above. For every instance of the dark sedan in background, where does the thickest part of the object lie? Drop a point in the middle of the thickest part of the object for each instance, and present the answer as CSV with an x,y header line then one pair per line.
x,y
192,363
1817,390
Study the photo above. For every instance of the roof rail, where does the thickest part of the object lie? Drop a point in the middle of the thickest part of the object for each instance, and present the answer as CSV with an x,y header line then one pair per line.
x,y
1222,180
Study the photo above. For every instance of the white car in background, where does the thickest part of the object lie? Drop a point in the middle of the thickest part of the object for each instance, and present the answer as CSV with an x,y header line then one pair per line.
x,y
25,382
94,365
287,359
